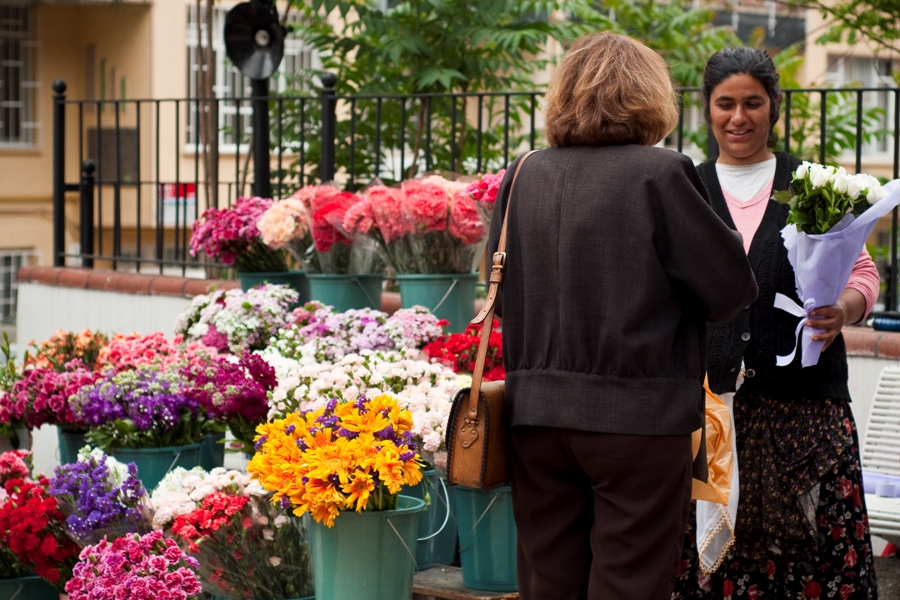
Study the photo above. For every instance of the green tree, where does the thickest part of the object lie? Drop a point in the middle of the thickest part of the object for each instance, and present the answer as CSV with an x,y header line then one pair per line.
x,y
877,21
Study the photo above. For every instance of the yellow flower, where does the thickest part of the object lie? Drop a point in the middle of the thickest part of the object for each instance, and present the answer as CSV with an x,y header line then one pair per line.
x,y
358,489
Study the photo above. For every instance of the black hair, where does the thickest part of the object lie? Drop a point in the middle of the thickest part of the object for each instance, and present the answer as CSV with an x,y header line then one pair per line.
x,y
740,60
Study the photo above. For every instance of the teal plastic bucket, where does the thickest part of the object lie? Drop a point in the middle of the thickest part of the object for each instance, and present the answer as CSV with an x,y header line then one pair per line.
x,y
445,543
433,519
27,588
154,463
345,292
294,279
447,296
70,443
366,555
212,451
487,539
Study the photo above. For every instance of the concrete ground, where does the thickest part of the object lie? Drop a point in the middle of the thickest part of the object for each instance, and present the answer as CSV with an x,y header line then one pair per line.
x,y
887,570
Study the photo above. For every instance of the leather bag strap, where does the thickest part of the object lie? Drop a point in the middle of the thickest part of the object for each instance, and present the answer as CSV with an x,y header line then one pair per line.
x,y
486,315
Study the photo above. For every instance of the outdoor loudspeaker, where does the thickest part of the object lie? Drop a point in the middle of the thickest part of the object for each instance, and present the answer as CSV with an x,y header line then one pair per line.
x,y
254,39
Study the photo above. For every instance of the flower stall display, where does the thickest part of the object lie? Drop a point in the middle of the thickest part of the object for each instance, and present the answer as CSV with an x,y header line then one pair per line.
x,y
345,465
484,192
425,389
144,416
830,217
231,236
134,567
459,351
325,335
236,320
247,546
101,497
233,392
34,529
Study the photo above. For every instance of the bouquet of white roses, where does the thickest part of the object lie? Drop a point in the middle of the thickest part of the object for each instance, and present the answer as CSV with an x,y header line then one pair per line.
x,y
831,215
425,389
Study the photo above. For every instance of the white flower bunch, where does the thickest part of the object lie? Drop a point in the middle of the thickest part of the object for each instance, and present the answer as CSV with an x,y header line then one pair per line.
x,y
118,471
854,186
426,389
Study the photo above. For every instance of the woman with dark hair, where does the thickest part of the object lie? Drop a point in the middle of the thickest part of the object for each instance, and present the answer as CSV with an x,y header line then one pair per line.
x,y
801,529
614,263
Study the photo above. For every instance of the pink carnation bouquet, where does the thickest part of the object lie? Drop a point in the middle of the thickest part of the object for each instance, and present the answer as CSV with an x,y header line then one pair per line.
x,y
135,568
231,235
285,224
446,232
377,216
484,192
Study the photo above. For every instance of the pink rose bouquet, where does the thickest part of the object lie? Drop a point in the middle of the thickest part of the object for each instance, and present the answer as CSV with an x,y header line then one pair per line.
x,y
231,235
135,568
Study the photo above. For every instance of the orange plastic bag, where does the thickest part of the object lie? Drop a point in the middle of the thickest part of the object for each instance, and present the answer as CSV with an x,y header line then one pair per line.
x,y
720,459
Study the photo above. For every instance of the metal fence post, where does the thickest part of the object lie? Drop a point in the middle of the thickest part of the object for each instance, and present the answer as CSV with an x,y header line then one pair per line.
x,y
86,199
59,173
262,181
329,126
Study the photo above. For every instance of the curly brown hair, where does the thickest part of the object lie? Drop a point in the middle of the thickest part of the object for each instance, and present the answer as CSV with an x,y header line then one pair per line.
x,y
610,89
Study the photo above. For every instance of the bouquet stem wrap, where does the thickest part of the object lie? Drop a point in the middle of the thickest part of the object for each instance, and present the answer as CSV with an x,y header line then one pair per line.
x,y
822,265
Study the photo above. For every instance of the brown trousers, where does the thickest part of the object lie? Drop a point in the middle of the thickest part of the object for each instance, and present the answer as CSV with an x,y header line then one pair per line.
x,y
599,516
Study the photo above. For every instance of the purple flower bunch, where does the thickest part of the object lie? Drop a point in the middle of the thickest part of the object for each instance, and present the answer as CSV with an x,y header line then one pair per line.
x,y
143,408
231,235
135,568
235,392
100,496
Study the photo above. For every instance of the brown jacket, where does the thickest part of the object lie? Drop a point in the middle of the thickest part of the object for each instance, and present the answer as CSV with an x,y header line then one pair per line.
x,y
615,263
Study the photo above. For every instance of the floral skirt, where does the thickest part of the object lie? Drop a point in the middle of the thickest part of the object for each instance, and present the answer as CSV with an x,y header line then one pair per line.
x,y
802,530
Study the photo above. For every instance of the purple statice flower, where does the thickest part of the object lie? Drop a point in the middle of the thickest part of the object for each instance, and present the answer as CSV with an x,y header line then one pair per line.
x,y
96,502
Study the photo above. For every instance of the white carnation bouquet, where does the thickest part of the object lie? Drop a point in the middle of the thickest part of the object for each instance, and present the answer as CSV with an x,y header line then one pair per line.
x,y
831,215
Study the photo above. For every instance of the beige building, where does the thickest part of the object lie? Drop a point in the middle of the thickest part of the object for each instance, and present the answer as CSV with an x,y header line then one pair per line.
x,y
114,53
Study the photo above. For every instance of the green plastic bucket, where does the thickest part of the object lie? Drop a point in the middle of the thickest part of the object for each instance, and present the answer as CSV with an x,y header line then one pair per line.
x,y
434,518
27,588
295,279
487,539
366,555
344,292
212,451
70,443
445,543
447,296
154,463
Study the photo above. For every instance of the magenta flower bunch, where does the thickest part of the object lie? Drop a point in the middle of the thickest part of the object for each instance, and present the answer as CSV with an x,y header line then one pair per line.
x,y
41,396
233,392
231,235
134,567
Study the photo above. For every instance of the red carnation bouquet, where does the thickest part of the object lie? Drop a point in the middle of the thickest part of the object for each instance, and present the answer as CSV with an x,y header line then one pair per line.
x,y
34,529
340,250
459,351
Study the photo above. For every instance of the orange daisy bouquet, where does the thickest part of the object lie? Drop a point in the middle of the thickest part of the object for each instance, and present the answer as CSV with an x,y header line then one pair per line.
x,y
344,456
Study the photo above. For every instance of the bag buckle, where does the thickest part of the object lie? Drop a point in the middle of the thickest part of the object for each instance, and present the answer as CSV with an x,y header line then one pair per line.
x,y
499,261
468,432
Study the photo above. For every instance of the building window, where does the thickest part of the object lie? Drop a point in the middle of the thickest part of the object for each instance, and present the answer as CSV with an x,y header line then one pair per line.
x,y
868,72
18,88
10,262
235,119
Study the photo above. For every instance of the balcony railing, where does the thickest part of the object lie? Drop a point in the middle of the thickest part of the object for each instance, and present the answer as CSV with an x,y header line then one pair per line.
x,y
147,171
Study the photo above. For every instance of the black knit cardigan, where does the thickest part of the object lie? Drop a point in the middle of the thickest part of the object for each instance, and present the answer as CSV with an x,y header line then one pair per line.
x,y
761,332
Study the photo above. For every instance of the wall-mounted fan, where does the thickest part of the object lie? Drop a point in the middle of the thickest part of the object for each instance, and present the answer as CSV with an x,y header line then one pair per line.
x,y
254,39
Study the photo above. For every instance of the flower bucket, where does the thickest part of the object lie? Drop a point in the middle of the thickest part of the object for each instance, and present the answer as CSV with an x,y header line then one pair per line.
x,y
366,555
448,296
433,519
344,292
487,539
446,541
212,451
27,588
294,279
154,463
70,442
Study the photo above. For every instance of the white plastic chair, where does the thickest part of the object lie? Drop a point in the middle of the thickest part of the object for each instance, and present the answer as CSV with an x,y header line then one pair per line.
x,y
881,453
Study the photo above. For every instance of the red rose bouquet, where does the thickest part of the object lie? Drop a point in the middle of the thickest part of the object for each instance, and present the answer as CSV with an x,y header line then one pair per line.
x,y
34,529
459,351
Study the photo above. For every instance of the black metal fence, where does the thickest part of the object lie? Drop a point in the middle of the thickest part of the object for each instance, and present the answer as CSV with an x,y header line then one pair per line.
x,y
146,171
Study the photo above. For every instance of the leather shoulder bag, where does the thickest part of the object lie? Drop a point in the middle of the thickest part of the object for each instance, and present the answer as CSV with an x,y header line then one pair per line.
x,y
476,431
